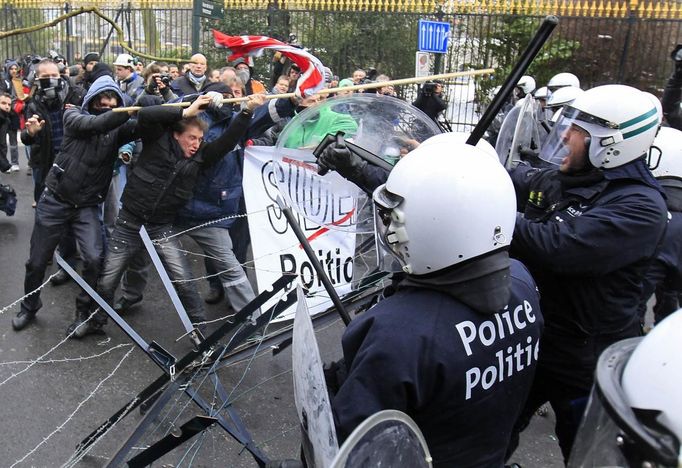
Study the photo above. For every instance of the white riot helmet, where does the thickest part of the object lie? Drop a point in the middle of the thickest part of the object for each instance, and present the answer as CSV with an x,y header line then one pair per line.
x,y
541,93
634,416
563,79
124,60
526,84
665,156
444,204
457,138
616,134
563,96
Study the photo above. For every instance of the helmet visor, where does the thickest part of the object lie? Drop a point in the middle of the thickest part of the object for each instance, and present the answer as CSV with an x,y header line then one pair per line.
x,y
387,248
568,137
596,443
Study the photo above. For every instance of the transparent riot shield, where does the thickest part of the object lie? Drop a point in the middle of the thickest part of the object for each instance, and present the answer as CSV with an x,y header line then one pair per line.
x,y
520,130
384,126
329,201
310,391
388,438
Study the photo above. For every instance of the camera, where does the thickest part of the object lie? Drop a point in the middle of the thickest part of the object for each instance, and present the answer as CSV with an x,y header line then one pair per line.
x,y
165,79
428,88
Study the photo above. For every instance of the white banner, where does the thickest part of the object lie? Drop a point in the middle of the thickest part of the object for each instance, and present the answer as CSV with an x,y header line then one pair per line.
x,y
274,244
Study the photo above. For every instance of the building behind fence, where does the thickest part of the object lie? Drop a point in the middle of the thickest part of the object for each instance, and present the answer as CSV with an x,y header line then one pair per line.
x,y
603,41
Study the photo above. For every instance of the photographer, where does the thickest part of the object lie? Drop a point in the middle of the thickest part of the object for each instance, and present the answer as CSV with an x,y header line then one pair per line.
x,y
157,83
672,96
430,99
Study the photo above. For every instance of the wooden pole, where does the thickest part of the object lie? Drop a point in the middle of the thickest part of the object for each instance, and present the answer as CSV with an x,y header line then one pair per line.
x,y
380,84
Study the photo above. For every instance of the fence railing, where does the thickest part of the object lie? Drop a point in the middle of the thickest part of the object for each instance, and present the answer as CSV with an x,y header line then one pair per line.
x,y
604,47
650,9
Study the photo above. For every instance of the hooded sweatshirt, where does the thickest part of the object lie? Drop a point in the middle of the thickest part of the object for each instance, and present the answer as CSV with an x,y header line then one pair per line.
x,y
82,171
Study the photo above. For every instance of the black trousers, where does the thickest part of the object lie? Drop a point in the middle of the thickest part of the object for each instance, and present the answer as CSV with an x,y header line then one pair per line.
x,y
564,378
53,218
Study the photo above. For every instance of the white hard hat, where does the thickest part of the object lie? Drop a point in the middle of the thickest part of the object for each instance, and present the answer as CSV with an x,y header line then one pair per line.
x,y
563,96
124,60
444,204
563,79
665,156
457,138
634,415
527,84
652,377
541,93
617,134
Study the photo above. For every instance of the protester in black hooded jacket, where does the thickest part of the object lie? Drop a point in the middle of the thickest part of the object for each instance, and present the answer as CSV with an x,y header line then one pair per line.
x,y
163,181
76,184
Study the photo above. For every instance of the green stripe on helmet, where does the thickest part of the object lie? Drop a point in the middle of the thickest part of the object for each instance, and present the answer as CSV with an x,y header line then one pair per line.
x,y
642,129
639,119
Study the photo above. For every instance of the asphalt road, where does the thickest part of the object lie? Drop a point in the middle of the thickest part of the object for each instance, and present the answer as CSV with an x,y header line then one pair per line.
x,y
55,392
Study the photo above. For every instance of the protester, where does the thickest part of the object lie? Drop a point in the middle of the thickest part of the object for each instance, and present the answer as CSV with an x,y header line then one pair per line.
x,y
128,80
163,180
194,80
245,74
77,182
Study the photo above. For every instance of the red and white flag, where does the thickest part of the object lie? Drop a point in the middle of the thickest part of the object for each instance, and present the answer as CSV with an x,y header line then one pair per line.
x,y
312,76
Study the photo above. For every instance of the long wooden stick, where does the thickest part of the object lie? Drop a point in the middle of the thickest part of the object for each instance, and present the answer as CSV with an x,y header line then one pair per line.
x,y
379,84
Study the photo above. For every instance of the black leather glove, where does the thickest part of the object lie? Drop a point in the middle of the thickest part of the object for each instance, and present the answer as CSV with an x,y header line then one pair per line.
x,y
340,159
146,100
335,373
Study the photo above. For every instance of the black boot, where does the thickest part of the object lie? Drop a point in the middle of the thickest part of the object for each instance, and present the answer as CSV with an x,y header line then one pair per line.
x,y
22,319
124,304
214,296
60,278
82,327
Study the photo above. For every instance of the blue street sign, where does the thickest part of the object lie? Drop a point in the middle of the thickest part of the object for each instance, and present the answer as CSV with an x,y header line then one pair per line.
x,y
433,36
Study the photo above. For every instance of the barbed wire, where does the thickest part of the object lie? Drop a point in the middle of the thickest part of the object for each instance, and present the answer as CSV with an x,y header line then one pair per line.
x,y
33,363
67,359
9,306
73,413
72,461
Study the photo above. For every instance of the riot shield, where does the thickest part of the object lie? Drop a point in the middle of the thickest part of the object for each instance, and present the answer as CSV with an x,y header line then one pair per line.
x,y
519,131
310,391
387,438
386,127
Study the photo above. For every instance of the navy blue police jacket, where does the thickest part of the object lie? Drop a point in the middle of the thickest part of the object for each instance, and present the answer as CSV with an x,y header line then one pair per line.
x,y
588,247
461,375
665,274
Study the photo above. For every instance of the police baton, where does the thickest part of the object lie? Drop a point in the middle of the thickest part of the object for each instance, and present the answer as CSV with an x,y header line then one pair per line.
x,y
541,36
317,266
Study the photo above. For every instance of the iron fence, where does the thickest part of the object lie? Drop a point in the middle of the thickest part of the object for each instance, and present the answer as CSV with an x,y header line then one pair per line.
x,y
626,49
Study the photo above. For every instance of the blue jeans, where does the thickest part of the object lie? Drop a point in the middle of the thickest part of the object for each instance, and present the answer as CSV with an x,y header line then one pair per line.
x,y
125,246
217,244
54,218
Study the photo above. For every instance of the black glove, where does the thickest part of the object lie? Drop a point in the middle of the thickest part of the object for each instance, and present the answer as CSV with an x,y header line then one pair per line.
x,y
146,100
335,373
340,159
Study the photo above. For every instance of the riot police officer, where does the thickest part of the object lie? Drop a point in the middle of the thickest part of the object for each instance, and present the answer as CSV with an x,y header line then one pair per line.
x,y
590,227
458,341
